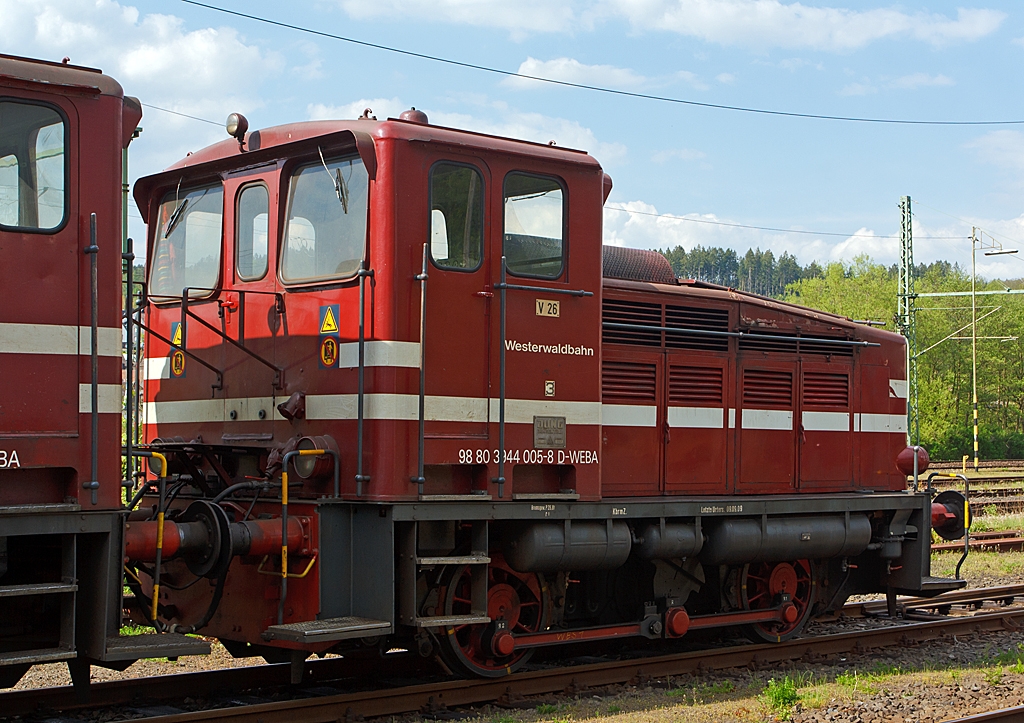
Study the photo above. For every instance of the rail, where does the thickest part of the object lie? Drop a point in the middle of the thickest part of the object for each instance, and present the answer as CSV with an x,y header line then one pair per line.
x,y
240,344
407,699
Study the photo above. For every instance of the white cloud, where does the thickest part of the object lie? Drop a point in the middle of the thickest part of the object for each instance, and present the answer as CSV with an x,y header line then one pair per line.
x,y
573,71
726,78
753,23
772,23
858,89
920,80
493,118
524,16
1002,148
380,107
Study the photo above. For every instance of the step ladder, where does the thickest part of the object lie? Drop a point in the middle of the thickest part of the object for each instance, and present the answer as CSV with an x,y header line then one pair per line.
x,y
411,563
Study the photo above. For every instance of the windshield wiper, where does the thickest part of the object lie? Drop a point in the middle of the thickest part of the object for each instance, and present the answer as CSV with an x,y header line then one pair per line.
x,y
175,218
340,187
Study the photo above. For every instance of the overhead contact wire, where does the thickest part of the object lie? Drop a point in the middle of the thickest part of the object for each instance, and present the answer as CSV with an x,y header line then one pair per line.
x,y
595,88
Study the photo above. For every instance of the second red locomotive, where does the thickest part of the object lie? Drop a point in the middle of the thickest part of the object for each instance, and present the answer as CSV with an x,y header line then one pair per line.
x,y
407,398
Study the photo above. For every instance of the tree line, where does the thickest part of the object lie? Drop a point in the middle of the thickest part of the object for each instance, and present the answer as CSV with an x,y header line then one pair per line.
x,y
866,290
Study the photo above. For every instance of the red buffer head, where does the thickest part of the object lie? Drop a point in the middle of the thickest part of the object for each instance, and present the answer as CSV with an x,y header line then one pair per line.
x,y
905,460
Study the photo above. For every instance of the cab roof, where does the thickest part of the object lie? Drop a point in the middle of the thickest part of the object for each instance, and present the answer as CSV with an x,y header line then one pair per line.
x,y
27,72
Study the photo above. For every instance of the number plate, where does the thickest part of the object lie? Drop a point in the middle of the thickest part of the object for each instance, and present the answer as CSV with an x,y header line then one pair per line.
x,y
547,307
549,432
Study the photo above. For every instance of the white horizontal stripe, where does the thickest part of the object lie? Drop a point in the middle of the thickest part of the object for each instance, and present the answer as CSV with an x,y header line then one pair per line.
x,y
156,368
522,411
378,406
826,421
766,419
899,388
380,354
895,423
696,417
109,339
732,418
57,339
108,396
629,415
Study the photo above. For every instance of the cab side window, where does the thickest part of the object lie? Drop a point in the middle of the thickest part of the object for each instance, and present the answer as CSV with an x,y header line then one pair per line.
x,y
187,243
251,240
33,171
456,216
534,238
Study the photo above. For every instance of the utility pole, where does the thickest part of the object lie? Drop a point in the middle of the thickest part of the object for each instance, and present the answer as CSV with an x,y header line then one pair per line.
x,y
974,338
994,249
906,316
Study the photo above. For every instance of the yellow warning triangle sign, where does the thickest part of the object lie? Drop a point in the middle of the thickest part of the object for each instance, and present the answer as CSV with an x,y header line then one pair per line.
x,y
176,337
329,325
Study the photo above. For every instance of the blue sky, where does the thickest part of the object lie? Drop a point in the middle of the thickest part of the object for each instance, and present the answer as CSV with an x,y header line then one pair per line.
x,y
935,60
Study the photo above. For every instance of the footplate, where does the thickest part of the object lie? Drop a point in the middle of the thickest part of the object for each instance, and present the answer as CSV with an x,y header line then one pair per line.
x,y
154,645
322,631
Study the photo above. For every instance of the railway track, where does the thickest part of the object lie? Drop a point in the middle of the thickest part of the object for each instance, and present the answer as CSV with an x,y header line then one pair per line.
x,y
324,700
1005,715
998,541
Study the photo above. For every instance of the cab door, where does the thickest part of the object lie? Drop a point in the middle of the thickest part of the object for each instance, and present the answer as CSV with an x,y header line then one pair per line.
x,y
458,301
44,297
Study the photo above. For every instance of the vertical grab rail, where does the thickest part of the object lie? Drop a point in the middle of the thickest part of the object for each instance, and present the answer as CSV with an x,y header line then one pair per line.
x,y
128,263
284,513
501,386
162,490
422,278
363,274
92,250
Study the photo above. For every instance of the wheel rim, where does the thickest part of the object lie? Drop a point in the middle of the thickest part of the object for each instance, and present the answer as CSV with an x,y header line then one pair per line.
x,y
520,599
764,584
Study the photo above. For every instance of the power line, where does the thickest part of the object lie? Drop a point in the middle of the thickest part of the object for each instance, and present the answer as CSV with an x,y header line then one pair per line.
x,y
595,88
184,115
765,228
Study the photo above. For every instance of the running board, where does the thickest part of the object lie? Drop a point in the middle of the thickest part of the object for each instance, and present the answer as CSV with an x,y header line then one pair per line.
x,y
325,631
153,645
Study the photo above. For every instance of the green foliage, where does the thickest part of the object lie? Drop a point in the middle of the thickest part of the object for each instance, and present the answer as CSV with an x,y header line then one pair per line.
x,y
993,676
702,692
546,708
779,696
613,709
758,271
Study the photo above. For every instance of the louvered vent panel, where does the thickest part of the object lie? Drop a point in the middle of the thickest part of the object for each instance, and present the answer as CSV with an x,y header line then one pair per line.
x,y
813,347
694,317
767,342
827,390
767,388
634,313
695,385
629,382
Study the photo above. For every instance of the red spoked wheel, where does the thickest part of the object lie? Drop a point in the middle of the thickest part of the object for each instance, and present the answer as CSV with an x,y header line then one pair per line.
x,y
521,600
764,585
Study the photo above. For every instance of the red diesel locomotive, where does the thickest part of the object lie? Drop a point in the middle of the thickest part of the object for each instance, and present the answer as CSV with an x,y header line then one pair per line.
x,y
397,394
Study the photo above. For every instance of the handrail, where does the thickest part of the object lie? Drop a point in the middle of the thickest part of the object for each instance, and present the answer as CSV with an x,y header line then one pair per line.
x,y
502,286
284,513
747,334
185,313
422,278
967,510
92,250
363,274
544,289
220,375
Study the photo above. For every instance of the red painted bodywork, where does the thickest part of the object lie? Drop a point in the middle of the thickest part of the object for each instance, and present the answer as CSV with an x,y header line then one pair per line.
x,y
462,344
45,286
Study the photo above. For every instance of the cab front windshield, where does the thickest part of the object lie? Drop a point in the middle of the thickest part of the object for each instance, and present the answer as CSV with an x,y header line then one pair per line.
x,y
187,247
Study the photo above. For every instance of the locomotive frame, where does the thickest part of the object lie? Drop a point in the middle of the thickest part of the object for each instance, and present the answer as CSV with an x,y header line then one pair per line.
x,y
398,394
